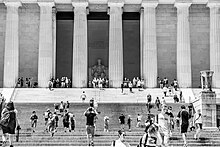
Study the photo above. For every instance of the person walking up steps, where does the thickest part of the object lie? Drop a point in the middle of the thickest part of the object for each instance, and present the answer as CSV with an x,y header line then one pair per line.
x,y
198,123
183,116
90,113
120,142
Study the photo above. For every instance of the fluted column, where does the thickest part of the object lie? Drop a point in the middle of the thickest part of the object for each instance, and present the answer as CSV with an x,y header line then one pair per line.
x,y
11,57
184,73
141,38
45,57
115,44
215,42
79,75
54,11
149,48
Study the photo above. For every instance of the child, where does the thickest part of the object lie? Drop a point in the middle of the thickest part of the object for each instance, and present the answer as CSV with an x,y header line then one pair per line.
x,y
129,123
106,123
33,120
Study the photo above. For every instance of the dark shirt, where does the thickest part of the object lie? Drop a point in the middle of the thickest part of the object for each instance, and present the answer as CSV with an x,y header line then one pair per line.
x,y
129,121
122,119
184,115
34,117
170,114
90,118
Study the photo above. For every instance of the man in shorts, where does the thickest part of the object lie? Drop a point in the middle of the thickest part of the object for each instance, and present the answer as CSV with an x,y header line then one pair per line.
x,y
122,121
90,114
183,115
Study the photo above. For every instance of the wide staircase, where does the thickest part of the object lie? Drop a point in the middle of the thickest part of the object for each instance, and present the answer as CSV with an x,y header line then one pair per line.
x,y
111,103
113,110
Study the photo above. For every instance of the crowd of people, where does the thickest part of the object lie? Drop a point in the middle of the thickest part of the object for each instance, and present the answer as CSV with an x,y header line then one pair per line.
x,y
26,83
99,83
63,82
158,128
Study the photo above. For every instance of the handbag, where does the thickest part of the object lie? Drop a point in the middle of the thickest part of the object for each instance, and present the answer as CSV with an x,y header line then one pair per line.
x,y
5,119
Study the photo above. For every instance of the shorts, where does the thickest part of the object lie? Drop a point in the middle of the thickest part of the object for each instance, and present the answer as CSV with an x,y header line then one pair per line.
x,y
184,128
199,125
33,124
90,130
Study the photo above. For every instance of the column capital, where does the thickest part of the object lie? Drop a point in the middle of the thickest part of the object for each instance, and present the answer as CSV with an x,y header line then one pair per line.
x,y
12,4
46,4
182,4
116,3
212,4
80,4
149,3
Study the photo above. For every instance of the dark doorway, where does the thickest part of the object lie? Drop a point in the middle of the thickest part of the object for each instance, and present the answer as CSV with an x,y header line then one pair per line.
x,y
64,44
98,39
131,44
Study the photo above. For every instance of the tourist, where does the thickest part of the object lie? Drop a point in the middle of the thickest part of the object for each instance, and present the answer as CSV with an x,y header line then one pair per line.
x,y
183,115
129,123
122,121
90,113
163,120
165,91
163,101
120,142
83,96
161,83
8,127
106,124
165,82
175,84
66,121
157,103
61,107
51,124
149,106
139,117
72,122
191,111
122,87
151,137
56,107
198,124
170,114
55,115
134,82
46,117
33,120
130,86
67,106
50,85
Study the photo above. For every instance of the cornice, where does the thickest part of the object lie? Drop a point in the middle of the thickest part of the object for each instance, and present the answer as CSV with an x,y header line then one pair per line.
x,y
106,1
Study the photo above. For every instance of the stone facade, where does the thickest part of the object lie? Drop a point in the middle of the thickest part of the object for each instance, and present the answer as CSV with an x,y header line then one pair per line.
x,y
166,37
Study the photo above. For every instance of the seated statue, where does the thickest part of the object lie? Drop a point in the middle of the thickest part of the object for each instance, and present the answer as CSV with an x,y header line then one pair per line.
x,y
99,70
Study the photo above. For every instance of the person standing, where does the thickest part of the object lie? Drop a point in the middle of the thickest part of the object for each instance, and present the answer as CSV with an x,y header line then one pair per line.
x,y
66,120
129,123
139,117
122,121
198,123
8,128
163,121
51,124
90,113
106,124
183,115
33,120
120,142
157,103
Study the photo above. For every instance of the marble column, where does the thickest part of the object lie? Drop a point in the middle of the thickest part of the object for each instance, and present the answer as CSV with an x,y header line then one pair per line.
x,y
215,42
115,44
80,51
141,38
184,73
54,11
149,48
11,57
45,57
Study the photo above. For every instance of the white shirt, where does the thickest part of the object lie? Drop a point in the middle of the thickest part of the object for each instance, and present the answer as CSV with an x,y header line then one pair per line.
x,y
118,143
198,119
163,122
